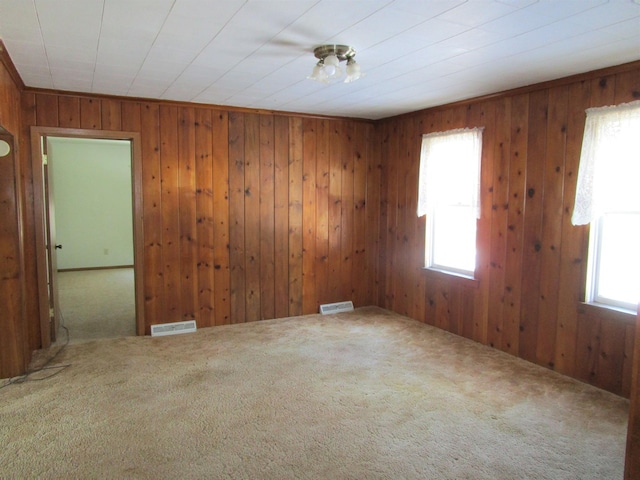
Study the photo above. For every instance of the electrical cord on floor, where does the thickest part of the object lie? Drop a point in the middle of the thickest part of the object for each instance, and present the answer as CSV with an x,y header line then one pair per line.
x,y
46,366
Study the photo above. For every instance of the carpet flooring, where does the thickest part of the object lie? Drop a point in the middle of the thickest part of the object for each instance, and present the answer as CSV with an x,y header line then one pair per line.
x,y
361,395
97,303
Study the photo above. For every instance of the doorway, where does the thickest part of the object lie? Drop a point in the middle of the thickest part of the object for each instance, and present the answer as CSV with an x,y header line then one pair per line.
x,y
70,172
90,185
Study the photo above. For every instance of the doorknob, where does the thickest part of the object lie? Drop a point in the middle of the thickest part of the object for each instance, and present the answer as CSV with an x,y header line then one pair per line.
x,y
59,247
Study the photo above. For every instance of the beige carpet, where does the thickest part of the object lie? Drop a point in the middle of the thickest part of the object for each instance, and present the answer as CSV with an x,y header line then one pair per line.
x,y
361,395
97,303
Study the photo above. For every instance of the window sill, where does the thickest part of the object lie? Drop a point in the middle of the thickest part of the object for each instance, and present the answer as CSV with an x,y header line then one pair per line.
x,y
436,273
616,313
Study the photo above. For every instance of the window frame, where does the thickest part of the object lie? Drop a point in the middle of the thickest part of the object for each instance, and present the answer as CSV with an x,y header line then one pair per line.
x,y
430,207
594,255
429,261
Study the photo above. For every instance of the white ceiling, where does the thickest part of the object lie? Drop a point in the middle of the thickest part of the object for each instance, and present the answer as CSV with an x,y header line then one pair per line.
x,y
258,53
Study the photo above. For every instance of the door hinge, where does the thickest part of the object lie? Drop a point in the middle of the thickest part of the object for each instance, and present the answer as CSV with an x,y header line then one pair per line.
x,y
51,314
45,160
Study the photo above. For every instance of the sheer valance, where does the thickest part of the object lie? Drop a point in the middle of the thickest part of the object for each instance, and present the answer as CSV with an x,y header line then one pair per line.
x,y
609,173
454,155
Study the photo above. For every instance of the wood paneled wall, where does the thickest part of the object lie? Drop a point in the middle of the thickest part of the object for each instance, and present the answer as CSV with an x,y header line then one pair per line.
x,y
246,216
14,352
254,215
530,277
632,457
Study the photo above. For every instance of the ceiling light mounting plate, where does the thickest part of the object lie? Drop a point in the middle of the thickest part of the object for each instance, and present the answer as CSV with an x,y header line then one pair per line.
x,y
343,52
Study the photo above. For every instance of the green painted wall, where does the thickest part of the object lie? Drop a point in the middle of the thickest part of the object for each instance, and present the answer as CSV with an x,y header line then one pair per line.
x,y
93,201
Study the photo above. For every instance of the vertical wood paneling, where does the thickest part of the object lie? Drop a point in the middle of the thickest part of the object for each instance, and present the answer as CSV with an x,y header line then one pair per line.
x,y
531,262
132,122
400,237
573,254
111,117
515,225
334,214
611,354
433,123
214,185
46,110
483,114
322,214
588,340
200,198
632,457
359,229
90,115
220,193
530,306
309,222
170,205
416,226
12,343
131,117
204,215
232,211
627,87
295,200
347,288
382,132
18,335
237,292
69,112
391,227
267,218
281,217
252,217
499,195
29,107
187,198
628,359
153,275
551,240
372,215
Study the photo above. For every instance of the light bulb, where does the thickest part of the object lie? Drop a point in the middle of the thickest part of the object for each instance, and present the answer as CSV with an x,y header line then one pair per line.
x,y
331,59
330,70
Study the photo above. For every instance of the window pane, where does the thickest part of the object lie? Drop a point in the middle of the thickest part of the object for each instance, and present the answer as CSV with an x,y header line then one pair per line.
x,y
448,193
454,238
619,265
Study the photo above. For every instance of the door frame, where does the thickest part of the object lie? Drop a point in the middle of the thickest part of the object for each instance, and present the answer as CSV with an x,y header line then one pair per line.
x,y
37,135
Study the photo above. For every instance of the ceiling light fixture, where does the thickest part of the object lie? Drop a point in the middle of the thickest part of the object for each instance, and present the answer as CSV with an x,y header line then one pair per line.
x,y
328,67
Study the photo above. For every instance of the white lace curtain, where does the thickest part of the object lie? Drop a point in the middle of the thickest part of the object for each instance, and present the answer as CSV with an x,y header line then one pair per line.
x,y
450,170
609,173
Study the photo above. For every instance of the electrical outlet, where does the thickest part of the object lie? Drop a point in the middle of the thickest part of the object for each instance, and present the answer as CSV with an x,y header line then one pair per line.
x,y
106,251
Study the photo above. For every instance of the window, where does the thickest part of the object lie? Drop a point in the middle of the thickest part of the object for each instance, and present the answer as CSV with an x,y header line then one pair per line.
x,y
608,197
448,194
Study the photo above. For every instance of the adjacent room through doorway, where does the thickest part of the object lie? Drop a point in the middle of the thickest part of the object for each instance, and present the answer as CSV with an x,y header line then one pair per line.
x,y
91,185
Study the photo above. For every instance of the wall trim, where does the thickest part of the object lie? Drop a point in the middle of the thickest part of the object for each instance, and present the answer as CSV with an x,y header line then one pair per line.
x,y
37,133
5,59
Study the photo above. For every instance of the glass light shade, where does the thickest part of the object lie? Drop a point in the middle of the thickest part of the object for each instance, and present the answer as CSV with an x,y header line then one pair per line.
x,y
317,71
319,74
331,60
328,69
353,72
